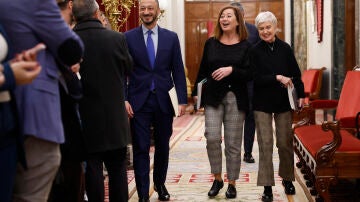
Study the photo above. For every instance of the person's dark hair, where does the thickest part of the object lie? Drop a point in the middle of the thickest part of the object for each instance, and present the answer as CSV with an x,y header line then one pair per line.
x,y
62,3
84,9
239,6
240,29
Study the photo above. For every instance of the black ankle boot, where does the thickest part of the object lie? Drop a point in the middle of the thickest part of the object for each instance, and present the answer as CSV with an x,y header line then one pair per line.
x,y
267,195
288,187
215,188
249,158
231,191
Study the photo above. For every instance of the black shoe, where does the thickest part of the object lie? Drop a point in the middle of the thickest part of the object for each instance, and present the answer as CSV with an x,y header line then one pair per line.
x,y
215,188
231,191
162,192
289,187
144,199
249,158
267,197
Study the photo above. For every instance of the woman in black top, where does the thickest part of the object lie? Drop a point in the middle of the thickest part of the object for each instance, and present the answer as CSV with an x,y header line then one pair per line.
x,y
275,68
225,65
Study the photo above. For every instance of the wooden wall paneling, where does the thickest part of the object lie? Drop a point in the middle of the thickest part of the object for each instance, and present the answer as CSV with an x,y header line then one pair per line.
x,y
276,7
196,35
198,13
350,59
251,11
216,7
196,10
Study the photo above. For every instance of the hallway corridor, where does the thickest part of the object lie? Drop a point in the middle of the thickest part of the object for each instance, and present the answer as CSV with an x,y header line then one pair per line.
x,y
189,177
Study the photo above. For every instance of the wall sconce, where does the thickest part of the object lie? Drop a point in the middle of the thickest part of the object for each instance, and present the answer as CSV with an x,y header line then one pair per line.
x,y
163,6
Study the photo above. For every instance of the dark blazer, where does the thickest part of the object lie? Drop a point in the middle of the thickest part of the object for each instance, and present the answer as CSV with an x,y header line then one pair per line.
x,y
216,55
102,108
70,93
168,70
269,94
253,37
7,110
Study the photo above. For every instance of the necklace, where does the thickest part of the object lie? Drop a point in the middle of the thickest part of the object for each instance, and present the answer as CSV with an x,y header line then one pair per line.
x,y
271,47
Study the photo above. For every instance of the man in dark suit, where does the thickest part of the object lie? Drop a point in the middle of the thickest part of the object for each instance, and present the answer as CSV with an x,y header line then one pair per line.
x,y
105,124
158,67
249,127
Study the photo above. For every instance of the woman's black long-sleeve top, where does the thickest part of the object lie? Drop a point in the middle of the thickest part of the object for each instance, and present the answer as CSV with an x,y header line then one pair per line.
x,y
269,94
217,55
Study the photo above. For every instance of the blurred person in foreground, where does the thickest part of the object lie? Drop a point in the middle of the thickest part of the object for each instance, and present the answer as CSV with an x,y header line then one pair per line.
x,y
274,69
69,184
17,71
38,103
102,108
225,65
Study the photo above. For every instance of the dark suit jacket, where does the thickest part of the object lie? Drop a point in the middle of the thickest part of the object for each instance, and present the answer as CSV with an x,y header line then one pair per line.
x,y
168,70
253,33
102,108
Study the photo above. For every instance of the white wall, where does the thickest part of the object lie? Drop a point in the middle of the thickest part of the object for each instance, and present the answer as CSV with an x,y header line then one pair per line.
x,y
320,54
174,19
287,7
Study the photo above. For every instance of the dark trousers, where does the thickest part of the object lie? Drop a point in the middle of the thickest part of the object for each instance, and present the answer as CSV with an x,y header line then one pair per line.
x,y
249,127
69,184
115,163
150,115
8,162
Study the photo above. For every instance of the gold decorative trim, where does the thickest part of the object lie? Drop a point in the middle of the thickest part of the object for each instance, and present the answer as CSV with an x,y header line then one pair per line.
x,y
117,11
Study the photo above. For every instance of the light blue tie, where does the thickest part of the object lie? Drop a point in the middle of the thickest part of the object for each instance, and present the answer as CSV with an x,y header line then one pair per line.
x,y
150,48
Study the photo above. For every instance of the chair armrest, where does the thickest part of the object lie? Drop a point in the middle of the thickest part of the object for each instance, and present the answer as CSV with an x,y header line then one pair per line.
x,y
325,155
347,122
324,104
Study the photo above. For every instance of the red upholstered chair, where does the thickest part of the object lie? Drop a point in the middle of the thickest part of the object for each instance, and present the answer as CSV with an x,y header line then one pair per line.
x,y
330,151
312,79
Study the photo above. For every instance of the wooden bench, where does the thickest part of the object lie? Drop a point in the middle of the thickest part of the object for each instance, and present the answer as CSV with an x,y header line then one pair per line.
x,y
331,151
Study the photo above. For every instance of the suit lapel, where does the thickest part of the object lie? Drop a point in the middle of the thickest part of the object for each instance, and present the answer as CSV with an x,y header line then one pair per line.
x,y
141,47
159,45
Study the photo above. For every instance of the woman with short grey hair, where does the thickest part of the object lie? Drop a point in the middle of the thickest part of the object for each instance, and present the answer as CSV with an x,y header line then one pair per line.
x,y
274,69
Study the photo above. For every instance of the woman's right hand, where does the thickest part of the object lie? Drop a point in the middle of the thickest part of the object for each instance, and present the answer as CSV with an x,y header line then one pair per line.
x,y
286,81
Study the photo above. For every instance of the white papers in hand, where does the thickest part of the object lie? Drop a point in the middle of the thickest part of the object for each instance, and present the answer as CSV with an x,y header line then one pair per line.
x,y
174,100
293,98
199,93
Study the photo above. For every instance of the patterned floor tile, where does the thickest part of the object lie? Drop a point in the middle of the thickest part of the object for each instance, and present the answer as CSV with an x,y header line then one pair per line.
x,y
189,177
